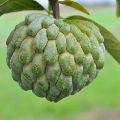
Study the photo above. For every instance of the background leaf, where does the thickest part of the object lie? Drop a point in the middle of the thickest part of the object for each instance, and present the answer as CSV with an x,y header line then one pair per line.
x,y
7,6
112,44
118,8
75,5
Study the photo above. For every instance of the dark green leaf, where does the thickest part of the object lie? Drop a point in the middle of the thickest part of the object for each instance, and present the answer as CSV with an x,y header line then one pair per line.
x,y
75,5
112,44
118,8
7,6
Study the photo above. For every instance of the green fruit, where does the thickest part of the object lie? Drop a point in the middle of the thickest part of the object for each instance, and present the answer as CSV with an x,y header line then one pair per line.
x,y
54,58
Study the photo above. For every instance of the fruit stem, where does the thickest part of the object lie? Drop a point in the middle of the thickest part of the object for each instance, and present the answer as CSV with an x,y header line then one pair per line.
x,y
55,8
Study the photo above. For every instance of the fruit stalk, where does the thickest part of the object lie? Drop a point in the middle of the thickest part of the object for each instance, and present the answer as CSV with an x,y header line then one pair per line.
x,y
55,8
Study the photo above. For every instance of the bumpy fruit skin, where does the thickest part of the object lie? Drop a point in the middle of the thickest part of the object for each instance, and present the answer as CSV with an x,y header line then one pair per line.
x,y
54,58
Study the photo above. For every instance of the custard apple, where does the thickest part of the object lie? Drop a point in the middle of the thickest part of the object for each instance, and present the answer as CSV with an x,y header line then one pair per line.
x,y
54,58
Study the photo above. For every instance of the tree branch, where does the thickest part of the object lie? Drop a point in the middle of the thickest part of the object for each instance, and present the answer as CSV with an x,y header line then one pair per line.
x,y
55,8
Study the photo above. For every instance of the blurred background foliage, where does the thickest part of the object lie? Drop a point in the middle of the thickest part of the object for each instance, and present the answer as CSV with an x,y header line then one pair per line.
x,y
99,101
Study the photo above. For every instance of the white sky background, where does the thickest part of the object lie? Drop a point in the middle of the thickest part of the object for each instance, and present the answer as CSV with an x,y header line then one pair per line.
x,y
45,2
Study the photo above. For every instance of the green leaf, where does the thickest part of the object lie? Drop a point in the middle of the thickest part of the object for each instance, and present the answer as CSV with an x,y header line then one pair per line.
x,y
7,6
112,44
75,5
118,8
